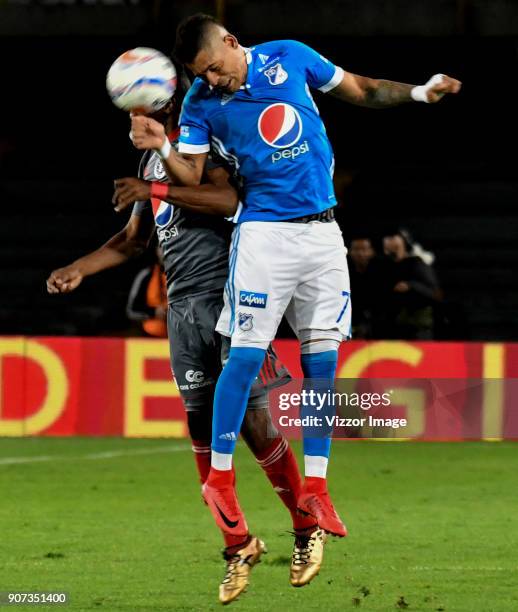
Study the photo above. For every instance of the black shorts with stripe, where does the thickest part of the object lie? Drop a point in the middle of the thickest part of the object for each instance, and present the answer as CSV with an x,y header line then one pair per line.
x,y
198,353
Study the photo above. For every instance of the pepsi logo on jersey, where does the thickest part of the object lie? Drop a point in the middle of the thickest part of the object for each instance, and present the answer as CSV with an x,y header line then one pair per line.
x,y
280,126
163,213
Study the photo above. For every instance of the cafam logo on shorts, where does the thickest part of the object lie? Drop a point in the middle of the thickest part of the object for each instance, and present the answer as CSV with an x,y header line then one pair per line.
x,y
253,299
280,125
163,213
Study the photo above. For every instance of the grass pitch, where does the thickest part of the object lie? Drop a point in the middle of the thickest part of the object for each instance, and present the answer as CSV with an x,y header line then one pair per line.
x,y
118,524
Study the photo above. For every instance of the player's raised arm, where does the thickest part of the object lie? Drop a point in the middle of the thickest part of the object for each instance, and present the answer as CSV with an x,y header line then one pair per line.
x,y
216,197
182,168
379,93
364,91
128,243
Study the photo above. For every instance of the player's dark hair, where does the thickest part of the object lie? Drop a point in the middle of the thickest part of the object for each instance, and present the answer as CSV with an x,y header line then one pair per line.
x,y
191,36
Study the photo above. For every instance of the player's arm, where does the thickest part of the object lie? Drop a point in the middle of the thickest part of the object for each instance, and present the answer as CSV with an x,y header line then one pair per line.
x,y
374,93
216,197
128,243
379,93
182,168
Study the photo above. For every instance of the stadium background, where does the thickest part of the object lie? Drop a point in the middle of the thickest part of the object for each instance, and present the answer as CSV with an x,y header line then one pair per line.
x,y
431,524
448,172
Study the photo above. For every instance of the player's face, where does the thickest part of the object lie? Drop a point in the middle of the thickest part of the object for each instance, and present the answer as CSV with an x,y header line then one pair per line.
x,y
221,64
394,247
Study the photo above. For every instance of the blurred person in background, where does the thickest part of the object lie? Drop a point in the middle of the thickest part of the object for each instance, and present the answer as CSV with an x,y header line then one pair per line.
x,y
363,285
414,288
147,301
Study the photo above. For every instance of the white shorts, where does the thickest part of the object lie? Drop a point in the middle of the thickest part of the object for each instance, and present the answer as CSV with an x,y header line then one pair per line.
x,y
277,268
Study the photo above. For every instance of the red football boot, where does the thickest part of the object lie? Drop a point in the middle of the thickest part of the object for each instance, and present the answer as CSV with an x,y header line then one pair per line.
x,y
220,496
314,500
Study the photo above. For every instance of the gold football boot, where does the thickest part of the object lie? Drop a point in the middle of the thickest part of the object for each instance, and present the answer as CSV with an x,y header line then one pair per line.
x,y
238,571
308,552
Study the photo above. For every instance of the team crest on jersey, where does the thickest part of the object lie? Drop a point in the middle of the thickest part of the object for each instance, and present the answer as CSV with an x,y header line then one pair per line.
x,y
276,75
159,170
245,321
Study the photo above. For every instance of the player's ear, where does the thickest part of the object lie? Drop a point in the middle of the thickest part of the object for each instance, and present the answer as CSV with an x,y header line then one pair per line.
x,y
231,41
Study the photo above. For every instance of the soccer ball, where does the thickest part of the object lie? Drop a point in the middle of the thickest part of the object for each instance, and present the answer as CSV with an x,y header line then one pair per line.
x,y
141,79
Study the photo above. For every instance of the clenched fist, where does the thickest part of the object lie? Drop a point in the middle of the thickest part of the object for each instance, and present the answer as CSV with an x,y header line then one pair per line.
x,y
447,85
64,280
146,133
129,190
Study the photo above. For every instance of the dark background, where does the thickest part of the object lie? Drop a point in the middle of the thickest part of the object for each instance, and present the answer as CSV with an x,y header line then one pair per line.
x,y
447,172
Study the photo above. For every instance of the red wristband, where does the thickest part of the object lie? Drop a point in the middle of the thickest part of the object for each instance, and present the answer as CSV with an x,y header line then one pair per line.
x,y
159,190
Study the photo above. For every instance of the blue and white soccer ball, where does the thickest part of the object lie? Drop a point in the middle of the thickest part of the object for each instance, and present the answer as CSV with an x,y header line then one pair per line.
x,y
141,79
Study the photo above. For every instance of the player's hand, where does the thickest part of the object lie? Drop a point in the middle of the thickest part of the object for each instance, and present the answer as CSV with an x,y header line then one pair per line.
x,y
130,190
146,133
402,287
64,280
448,85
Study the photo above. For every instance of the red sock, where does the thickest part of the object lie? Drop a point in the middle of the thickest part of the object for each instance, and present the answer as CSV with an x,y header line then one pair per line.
x,y
202,455
235,543
280,465
221,478
201,451
313,484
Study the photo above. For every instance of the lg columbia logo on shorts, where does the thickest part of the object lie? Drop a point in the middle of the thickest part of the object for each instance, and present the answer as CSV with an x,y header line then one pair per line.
x,y
252,299
280,126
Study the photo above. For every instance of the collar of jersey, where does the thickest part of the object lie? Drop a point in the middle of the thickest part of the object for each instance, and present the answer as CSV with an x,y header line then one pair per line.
x,y
250,61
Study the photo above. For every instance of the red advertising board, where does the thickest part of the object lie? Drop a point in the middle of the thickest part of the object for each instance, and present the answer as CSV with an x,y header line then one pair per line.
x,y
113,386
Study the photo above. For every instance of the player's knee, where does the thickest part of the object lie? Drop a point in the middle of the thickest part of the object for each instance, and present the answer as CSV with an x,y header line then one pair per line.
x,y
242,367
258,430
319,340
321,360
199,422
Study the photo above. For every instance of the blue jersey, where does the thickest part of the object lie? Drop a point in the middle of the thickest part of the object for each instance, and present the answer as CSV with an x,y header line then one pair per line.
x,y
269,131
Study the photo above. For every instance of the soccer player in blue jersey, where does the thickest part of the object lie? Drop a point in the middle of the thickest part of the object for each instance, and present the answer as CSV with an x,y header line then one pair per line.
x,y
254,107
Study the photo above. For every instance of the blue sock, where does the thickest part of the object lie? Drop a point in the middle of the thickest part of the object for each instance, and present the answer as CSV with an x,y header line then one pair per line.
x,y
231,396
321,367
